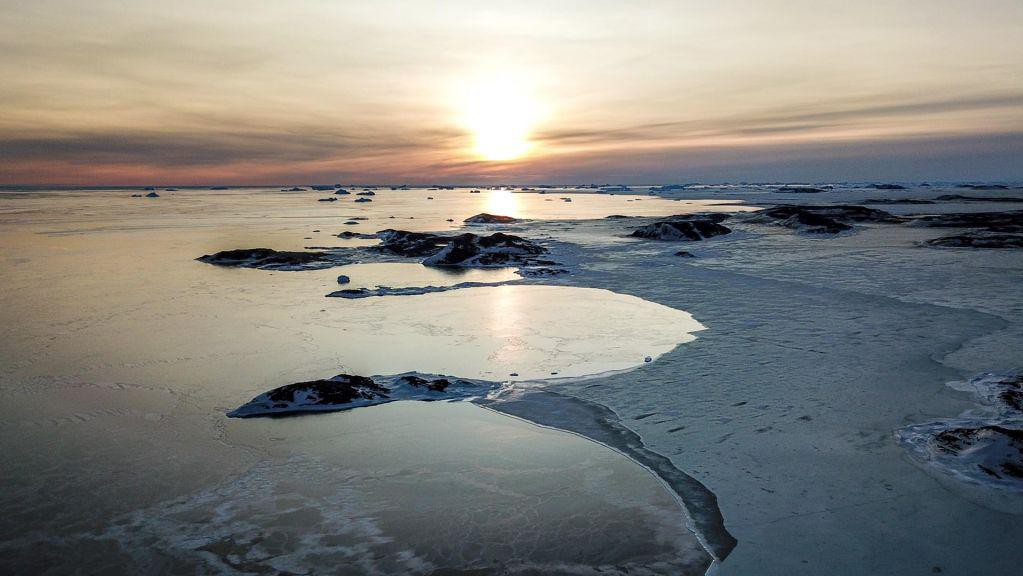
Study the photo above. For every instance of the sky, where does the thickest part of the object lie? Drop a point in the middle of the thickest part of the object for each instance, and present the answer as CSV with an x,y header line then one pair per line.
x,y
320,91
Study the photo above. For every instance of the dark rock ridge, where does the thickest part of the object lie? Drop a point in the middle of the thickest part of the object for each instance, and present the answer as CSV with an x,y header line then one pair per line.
x,y
436,385
841,212
801,189
358,293
316,395
328,199
410,244
498,249
825,219
1011,394
268,259
979,239
991,220
350,234
983,450
887,187
363,200
485,218
346,391
1003,447
152,195
897,201
961,198
463,250
983,186
1001,394
686,227
540,272
814,223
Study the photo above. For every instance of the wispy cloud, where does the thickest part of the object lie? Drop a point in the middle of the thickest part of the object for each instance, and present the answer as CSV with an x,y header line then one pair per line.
x,y
249,89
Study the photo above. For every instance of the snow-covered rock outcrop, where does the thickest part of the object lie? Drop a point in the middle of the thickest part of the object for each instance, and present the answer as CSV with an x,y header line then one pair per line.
x,y
498,249
984,449
346,391
689,227
485,218
268,259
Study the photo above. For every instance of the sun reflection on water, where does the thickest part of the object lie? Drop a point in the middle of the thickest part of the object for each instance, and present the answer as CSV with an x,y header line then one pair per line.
x,y
504,203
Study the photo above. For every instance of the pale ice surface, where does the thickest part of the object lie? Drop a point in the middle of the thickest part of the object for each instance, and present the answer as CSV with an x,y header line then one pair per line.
x,y
407,488
120,354
815,350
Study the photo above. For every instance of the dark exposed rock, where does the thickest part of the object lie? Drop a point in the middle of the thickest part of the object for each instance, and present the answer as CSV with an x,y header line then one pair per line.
x,y
152,195
897,201
824,219
840,212
436,385
887,187
358,293
961,198
328,199
321,187
353,293
366,193
346,391
315,395
342,279
990,220
814,223
363,200
983,186
485,218
463,250
1001,448
267,259
494,250
541,271
404,243
342,192
688,227
685,254
801,189
349,234
616,217
979,239
1012,392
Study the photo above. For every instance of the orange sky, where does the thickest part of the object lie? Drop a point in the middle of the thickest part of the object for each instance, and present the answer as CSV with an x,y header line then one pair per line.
x,y
148,92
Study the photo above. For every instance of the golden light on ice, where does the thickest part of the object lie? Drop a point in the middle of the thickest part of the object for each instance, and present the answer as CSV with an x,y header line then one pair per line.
x,y
500,116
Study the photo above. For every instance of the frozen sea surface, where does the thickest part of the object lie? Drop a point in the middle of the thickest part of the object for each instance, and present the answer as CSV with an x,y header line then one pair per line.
x,y
815,350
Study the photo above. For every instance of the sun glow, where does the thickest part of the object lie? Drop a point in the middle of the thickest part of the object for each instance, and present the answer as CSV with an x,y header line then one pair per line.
x,y
500,116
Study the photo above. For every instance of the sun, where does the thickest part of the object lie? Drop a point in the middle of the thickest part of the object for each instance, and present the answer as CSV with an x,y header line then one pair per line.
x,y
500,116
